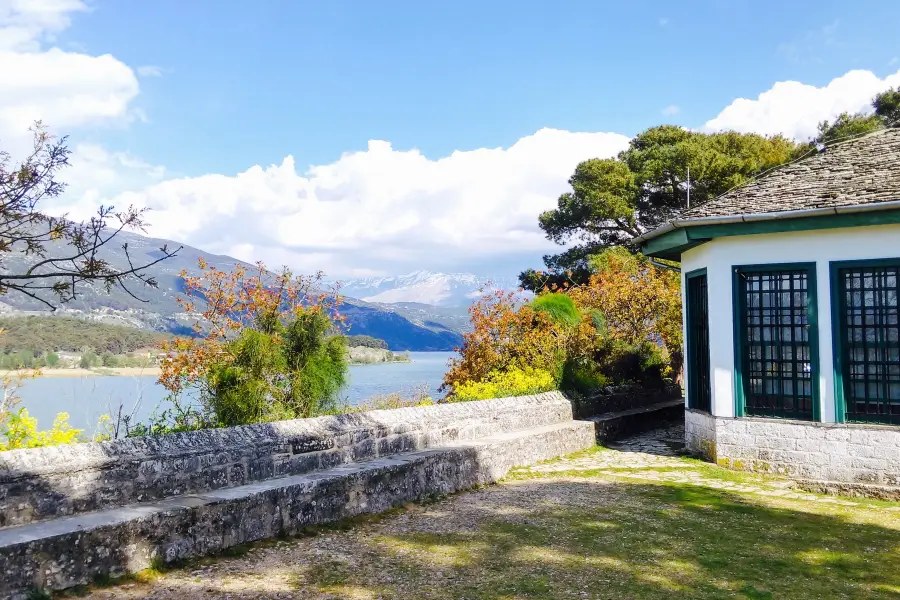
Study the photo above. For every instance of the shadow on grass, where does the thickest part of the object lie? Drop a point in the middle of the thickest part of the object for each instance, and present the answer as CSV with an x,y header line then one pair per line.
x,y
583,539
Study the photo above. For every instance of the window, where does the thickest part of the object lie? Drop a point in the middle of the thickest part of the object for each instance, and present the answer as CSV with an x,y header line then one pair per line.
x,y
776,341
698,392
867,341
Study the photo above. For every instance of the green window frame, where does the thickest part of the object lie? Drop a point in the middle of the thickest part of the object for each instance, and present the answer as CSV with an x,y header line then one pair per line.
x,y
699,388
776,341
866,340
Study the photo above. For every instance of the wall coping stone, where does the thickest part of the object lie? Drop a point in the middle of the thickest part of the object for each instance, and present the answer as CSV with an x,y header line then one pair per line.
x,y
99,455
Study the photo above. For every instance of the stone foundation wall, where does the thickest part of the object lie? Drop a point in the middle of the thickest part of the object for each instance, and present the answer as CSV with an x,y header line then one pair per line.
x,y
851,453
44,483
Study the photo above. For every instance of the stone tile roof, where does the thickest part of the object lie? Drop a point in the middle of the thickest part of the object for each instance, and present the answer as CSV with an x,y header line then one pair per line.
x,y
859,171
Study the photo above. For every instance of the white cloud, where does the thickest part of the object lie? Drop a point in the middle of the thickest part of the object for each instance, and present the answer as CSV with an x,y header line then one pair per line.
x,y
150,71
64,89
663,21
795,109
671,110
894,61
375,209
24,24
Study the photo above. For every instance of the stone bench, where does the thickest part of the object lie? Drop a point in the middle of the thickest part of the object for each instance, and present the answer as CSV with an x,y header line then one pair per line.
x,y
71,525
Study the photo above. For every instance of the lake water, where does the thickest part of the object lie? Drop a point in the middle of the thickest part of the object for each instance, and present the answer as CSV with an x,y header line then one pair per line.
x,y
86,398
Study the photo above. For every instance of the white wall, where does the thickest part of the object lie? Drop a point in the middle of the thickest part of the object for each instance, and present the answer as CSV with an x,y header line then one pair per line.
x,y
820,246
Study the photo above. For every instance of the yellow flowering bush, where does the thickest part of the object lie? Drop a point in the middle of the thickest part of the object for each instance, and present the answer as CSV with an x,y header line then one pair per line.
x,y
21,432
501,384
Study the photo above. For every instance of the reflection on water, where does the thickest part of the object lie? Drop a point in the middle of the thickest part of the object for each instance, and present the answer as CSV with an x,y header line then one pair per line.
x,y
86,398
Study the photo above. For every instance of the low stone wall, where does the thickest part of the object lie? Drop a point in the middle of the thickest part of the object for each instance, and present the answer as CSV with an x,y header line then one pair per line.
x,y
609,427
44,483
840,452
621,398
272,480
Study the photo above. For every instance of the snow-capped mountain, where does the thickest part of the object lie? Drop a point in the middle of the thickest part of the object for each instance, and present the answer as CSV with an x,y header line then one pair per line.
x,y
424,287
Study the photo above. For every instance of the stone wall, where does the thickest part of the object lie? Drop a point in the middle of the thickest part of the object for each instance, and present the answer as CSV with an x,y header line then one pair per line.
x,y
621,398
206,491
842,452
43,483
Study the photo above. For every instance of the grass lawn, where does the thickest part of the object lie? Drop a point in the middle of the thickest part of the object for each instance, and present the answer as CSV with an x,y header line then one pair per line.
x,y
609,532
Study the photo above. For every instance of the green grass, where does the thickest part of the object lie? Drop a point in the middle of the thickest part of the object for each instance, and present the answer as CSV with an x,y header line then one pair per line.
x,y
639,541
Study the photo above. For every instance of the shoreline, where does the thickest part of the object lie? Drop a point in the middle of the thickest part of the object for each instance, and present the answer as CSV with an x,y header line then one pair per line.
x,y
79,372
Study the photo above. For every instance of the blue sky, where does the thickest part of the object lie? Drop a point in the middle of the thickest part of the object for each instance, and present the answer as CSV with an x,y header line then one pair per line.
x,y
205,90
247,83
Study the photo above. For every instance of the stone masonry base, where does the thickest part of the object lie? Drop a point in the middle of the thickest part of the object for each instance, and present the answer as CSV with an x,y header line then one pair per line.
x,y
863,455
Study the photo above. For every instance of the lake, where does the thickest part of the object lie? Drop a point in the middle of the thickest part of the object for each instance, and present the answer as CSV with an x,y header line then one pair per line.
x,y
86,398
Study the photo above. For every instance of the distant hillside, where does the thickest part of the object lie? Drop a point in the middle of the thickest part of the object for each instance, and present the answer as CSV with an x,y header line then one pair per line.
x,y
158,310
54,334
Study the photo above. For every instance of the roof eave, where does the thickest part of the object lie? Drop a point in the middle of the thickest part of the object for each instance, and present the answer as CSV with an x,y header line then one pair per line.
x,y
770,216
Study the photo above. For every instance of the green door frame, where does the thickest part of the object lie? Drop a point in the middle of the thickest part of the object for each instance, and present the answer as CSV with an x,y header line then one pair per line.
x,y
737,309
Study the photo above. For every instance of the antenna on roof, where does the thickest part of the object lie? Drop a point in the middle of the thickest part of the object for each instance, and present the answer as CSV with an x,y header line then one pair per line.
x,y
689,186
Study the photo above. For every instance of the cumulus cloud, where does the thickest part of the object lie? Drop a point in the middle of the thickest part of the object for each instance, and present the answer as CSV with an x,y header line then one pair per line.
x,y
63,89
795,109
381,208
671,110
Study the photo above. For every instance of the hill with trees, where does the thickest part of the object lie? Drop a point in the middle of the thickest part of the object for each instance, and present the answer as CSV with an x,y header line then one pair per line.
x,y
64,334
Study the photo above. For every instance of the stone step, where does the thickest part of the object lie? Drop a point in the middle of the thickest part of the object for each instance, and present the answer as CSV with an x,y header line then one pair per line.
x,y
69,551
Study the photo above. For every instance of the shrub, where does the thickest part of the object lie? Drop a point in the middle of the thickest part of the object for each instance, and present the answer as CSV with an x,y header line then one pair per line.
x,y
507,336
88,359
644,363
502,384
583,377
269,351
559,307
21,432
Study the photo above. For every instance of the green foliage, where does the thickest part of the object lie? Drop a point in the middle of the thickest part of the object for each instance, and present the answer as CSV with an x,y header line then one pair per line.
x,y
20,431
644,363
366,341
89,359
887,106
108,359
847,126
55,334
560,308
280,371
614,200
502,384
583,377
52,359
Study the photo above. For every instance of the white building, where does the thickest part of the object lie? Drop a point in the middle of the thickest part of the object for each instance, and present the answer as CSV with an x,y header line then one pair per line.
x,y
792,337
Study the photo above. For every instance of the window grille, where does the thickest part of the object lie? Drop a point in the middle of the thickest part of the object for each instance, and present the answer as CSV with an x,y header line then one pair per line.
x,y
870,342
776,345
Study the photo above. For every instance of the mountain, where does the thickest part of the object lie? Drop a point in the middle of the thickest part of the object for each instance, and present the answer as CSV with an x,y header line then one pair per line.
x,y
158,309
424,288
